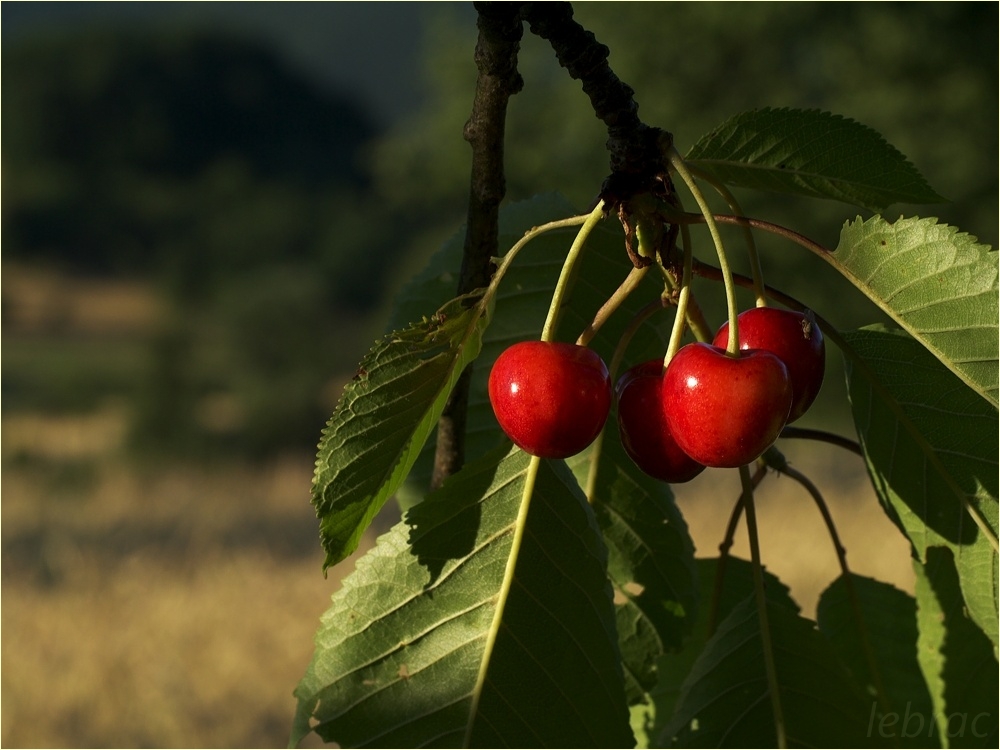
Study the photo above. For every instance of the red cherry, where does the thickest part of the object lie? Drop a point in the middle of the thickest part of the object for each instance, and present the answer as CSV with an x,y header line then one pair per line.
x,y
551,398
725,410
643,427
795,339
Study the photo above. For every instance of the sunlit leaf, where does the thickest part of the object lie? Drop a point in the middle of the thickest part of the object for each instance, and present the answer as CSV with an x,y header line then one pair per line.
x,y
931,447
810,153
471,622
940,285
384,417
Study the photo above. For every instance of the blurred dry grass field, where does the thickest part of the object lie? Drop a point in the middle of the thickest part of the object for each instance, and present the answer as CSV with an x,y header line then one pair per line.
x,y
175,606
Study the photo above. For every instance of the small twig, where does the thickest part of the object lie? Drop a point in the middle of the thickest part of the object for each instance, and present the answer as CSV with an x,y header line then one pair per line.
x,y
807,433
613,303
766,226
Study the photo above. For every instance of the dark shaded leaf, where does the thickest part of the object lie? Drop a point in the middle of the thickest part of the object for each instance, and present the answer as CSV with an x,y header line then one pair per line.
x,y
650,562
726,700
958,661
888,633
673,669
810,153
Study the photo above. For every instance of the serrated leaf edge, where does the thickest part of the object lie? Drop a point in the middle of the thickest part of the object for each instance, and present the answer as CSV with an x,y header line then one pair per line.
x,y
877,299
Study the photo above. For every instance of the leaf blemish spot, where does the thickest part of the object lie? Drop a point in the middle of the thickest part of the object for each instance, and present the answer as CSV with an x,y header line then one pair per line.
x,y
634,588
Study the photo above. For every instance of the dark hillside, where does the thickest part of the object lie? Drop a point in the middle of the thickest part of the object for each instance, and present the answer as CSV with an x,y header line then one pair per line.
x,y
103,131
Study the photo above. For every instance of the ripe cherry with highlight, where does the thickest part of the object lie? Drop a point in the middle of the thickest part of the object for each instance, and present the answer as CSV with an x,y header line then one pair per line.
x,y
551,398
725,410
795,339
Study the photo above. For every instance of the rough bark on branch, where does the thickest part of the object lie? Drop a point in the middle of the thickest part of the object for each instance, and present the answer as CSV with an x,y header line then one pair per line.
x,y
636,149
496,60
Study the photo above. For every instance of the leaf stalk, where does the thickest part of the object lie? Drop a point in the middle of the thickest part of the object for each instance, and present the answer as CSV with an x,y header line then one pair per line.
x,y
503,594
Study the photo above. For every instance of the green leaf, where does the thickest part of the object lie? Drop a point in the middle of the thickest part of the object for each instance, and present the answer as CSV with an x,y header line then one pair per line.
x,y
650,562
473,621
957,660
811,153
384,418
726,699
931,447
881,652
936,283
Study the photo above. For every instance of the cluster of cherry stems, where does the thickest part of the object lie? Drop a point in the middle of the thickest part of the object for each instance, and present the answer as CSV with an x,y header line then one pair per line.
x,y
718,404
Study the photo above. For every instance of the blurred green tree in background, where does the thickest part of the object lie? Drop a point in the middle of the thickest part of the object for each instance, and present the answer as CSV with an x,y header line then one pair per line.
x,y
200,162
278,219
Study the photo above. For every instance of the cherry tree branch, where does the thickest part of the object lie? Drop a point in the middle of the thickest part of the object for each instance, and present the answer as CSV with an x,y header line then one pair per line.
x,y
637,151
496,60
637,154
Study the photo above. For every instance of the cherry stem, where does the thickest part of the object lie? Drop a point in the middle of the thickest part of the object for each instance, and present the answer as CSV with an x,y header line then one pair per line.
x,y
683,298
852,593
708,271
630,330
616,359
767,226
677,162
555,307
694,318
511,254
531,234
807,433
755,268
758,589
724,547
613,303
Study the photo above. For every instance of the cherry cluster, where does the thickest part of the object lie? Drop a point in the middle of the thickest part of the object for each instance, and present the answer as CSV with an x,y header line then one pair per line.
x,y
707,407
